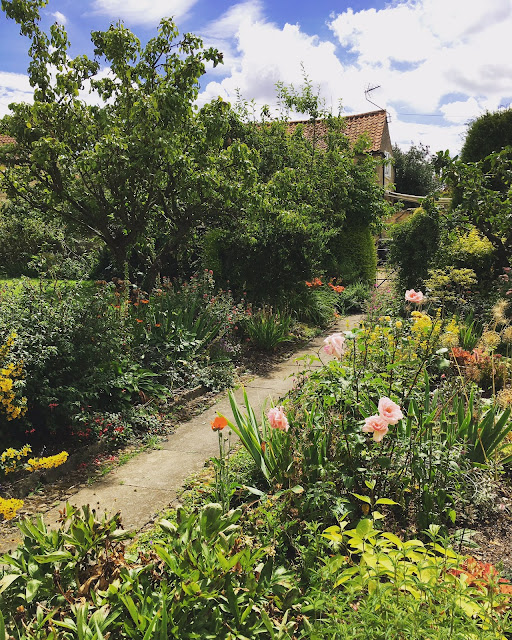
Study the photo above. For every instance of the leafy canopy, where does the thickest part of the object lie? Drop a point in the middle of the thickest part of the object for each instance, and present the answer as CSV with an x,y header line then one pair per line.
x,y
414,172
140,158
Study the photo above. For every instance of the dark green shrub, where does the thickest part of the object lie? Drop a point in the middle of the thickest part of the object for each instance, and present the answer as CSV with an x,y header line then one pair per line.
x,y
267,259
354,255
68,336
354,298
487,134
30,244
414,245
414,172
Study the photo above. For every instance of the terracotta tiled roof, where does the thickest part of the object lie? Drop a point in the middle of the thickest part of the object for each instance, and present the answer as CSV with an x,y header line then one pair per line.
x,y
6,139
373,123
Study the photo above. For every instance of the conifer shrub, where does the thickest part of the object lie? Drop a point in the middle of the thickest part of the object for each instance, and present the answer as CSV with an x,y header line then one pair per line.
x,y
354,255
413,248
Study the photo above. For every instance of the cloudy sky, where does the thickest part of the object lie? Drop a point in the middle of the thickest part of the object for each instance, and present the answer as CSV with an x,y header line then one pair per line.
x,y
436,63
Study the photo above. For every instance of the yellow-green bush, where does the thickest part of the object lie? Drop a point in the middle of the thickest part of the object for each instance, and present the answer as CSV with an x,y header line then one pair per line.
x,y
473,251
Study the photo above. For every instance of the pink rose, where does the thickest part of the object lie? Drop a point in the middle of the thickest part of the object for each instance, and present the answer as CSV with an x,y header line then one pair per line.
x,y
376,425
414,296
277,419
389,411
334,345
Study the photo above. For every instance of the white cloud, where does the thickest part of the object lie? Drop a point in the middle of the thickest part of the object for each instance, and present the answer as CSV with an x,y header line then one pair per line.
x,y
145,12
60,17
458,46
262,54
14,87
420,53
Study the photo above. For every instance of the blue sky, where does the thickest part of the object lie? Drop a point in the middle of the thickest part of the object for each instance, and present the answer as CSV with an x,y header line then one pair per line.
x,y
437,63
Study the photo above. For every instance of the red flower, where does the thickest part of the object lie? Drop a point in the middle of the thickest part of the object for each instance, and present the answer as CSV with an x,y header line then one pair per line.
x,y
219,423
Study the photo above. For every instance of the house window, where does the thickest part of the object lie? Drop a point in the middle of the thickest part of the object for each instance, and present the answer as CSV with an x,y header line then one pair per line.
x,y
387,165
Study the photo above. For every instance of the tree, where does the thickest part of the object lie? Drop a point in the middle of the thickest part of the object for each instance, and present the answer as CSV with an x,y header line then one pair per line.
x,y
414,172
313,199
484,197
143,160
487,134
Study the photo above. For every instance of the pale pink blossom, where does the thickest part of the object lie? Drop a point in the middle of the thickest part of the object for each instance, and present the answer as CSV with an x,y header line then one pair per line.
x,y
376,425
334,345
389,411
414,296
277,419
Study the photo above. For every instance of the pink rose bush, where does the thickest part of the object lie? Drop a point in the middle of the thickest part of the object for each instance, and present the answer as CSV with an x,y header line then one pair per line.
x,y
278,419
389,413
376,425
334,345
414,296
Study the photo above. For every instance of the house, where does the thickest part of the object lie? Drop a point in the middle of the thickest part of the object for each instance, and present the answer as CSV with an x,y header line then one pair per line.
x,y
373,123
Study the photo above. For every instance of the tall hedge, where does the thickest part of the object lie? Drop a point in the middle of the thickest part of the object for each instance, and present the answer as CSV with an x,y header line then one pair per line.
x,y
414,245
487,134
354,255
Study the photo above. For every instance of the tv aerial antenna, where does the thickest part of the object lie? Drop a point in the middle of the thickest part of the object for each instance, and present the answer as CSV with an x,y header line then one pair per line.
x,y
368,91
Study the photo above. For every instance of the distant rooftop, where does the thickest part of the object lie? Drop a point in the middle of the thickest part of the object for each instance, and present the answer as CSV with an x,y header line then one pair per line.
x,y
372,123
6,139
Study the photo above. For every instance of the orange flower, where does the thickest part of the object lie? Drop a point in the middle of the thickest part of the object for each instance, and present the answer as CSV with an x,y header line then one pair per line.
x,y
158,324
219,423
145,301
139,320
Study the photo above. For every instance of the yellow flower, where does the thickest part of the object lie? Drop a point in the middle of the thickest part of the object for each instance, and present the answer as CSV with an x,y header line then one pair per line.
x,y
398,324
9,508
498,311
491,339
49,462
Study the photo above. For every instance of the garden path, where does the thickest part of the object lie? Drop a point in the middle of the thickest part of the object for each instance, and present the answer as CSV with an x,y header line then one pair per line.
x,y
152,481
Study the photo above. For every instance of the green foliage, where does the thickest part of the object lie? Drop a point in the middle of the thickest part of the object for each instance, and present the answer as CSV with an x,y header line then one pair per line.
x,y
267,328
354,298
144,118
30,244
313,206
473,251
414,171
400,580
414,245
470,332
199,565
269,447
354,255
67,337
487,134
483,198
451,288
